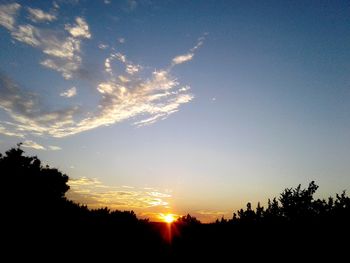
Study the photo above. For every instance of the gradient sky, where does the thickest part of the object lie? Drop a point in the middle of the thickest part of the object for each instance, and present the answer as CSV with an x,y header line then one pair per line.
x,y
179,106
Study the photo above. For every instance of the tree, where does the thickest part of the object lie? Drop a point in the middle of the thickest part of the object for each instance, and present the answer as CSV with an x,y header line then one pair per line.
x,y
26,183
188,220
297,204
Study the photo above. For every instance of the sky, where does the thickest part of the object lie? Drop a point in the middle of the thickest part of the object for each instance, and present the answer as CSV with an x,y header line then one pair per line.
x,y
179,106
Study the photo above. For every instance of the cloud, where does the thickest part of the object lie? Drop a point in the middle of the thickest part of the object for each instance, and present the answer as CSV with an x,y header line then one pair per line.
x,y
108,67
211,212
33,145
36,146
38,15
8,14
5,131
27,34
182,58
121,40
55,5
123,79
13,99
211,215
80,29
54,148
94,193
66,68
133,93
102,46
69,93
200,42
189,56
107,2
28,115
63,53
132,69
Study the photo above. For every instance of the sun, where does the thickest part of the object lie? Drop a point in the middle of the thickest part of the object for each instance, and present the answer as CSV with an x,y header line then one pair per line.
x,y
168,218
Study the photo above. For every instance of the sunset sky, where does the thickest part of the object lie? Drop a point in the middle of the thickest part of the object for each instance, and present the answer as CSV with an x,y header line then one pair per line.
x,y
179,106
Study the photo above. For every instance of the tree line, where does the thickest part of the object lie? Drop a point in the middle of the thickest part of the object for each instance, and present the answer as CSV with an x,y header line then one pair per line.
x,y
34,207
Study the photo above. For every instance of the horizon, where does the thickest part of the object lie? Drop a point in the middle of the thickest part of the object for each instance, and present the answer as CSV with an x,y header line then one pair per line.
x,y
179,107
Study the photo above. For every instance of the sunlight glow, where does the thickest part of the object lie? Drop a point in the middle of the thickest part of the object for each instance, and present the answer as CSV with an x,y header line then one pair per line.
x,y
168,218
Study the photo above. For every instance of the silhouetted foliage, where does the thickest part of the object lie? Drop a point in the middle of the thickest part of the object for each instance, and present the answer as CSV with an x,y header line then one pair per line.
x,y
34,208
25,176
188,220
296,205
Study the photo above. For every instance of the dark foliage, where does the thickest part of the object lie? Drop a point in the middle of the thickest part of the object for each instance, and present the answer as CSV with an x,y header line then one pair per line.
x,y
38,220
297,206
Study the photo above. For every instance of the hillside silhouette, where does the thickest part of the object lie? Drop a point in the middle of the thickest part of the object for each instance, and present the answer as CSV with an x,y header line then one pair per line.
x,y
38,220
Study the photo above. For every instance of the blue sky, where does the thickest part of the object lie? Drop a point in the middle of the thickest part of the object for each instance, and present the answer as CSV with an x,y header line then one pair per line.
x,y
179,106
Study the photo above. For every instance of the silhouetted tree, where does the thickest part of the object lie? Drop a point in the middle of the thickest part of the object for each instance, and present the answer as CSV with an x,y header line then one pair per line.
x,y
27,184
188,220
297,205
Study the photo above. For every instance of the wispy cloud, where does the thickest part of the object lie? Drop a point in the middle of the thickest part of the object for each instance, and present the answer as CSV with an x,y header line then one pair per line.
x,y
130,67
38,15
33,145
134,92
210,212
103,46
121,40
27,34
182,58
7,132
55,5
95,194
123,96
54,148
79,29
189,56
200,42
62,52
27,112
69,93
8,15
211,215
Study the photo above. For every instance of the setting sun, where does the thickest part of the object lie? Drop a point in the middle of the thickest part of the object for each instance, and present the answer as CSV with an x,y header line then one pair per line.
x,y
168,218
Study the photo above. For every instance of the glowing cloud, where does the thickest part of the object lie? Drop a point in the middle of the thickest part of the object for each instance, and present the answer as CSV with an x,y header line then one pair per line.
x,y
189,56
154,98
80,29
63,52
132,93
8,15
33,145
69,93
95,194
183,58
27,34
38,15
